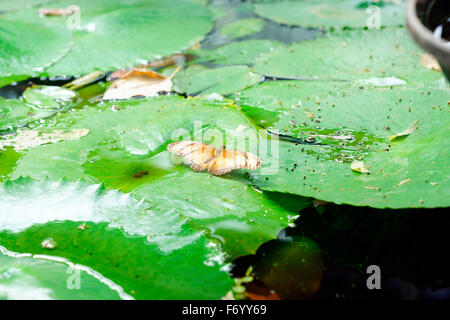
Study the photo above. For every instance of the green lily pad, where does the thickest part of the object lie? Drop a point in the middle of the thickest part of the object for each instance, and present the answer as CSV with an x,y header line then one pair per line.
x,y
242,27
224,80
15,113
8,161
48,96
6,5
18,43
354,123
240,216
333,13
126,33
39,278
125,149
353,55
93,234
241,52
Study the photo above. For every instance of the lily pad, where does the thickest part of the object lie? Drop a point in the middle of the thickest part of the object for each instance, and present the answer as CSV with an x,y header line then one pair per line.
x,y
125,149
352,55
24,276
15,113
44,97
240,52
242,27
153,29
333,13
18,42
349,124
132,262
224,80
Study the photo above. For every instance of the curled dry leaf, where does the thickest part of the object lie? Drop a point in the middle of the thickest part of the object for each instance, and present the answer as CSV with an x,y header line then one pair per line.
x,y
430,62
406,132
83,81
33,138
359,166
404,181
175,59
58,11
138,82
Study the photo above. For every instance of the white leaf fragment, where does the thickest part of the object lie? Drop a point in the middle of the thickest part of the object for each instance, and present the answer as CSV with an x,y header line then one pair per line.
x,y
359,166
32,138
383,82
406,132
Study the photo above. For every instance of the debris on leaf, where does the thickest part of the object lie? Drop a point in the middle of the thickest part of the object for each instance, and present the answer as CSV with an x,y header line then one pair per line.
x,y
32,138
58,11
49,244
430,62
83,81
406,132
177,59
138,82
82,226
404,181
359,166
373,188
383,82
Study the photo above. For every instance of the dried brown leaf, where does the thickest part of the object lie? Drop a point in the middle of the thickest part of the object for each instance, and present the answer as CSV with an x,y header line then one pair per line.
x,y
138,82
430,62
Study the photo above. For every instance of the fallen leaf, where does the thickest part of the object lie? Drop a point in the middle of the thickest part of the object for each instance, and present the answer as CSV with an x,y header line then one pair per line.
x,y
359,166
83,81
58,11
430,62
33,138
406,132
138,82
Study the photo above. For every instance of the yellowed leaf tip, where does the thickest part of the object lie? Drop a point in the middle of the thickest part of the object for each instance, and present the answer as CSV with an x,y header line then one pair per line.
x,y
359,166
406,132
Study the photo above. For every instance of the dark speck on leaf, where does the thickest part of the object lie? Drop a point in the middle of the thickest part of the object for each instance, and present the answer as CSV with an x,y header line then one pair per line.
x,y
140,174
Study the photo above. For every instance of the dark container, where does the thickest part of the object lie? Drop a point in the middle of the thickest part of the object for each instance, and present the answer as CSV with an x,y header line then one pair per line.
x,y
422,18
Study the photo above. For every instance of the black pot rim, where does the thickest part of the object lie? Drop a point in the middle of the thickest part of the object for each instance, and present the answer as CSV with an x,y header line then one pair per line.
x,y
423,36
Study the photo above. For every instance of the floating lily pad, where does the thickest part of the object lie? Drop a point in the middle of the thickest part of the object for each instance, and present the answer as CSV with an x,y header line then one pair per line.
x,y
126,33
242,27
38,278
333,13
45,97
18,43
224,80
352,55
141,269
241,52
351,124
15,113
125,149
